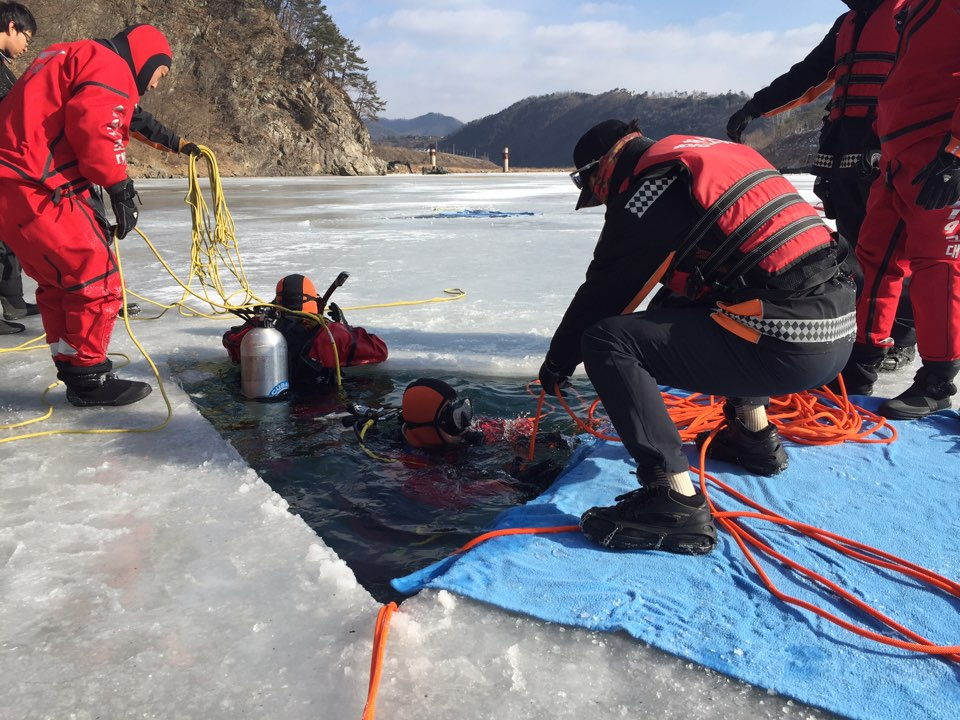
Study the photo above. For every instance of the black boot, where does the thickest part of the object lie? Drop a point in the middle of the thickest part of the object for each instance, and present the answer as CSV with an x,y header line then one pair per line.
x,y
95,386
653,518
931,391
760,451
861,370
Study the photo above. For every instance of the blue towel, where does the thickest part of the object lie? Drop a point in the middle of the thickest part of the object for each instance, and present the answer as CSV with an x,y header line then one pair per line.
x,y
902,498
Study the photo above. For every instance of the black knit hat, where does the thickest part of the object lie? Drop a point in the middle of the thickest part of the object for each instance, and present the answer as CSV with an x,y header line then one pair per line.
x,y
594,144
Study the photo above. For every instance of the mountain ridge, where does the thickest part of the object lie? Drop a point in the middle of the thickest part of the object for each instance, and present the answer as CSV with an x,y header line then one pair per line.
x,y
431,124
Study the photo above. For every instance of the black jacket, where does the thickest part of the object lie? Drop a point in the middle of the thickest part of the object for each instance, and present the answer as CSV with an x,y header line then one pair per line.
x,y
7,78
147,129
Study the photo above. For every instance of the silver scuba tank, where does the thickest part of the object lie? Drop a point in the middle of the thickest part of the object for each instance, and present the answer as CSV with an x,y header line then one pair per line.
x,y
263,364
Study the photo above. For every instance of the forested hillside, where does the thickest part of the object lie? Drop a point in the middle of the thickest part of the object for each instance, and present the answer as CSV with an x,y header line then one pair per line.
x,y
240,83
541,131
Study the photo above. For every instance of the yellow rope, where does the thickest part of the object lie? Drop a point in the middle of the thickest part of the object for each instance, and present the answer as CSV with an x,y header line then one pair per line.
x,y
214,254
102,431
454,293
363,445
28,345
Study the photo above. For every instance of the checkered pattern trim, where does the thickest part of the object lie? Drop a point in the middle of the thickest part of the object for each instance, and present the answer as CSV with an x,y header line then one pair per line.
x,y
817,330
647,194
828,162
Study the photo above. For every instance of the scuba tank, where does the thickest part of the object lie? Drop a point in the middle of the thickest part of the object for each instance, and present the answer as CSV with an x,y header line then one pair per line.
x,y
263,363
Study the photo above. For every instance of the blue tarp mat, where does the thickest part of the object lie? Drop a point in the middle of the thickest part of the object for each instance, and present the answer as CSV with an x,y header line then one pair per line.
x,y
902,498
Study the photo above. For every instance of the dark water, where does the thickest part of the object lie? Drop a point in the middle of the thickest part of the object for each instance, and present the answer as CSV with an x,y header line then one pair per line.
x,y
386,519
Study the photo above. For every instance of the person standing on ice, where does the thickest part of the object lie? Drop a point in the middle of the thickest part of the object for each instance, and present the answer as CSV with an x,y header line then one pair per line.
x,y
17,28
853,58
63,129
913,215
754,305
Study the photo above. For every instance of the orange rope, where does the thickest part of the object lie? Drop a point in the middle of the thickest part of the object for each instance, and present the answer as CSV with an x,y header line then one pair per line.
x,y
376,661
817,417
851,548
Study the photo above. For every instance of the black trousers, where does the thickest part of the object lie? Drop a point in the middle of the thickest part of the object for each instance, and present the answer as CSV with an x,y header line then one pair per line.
x,y
628,356
11,281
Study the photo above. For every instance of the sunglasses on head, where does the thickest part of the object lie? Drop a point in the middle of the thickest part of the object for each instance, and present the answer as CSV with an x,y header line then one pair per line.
x,y
580,174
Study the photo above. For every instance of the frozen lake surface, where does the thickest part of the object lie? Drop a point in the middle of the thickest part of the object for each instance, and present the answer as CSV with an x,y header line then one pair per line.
x,y
155,575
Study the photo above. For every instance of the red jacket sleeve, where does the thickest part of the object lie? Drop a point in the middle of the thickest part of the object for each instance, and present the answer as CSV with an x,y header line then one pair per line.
x,y
98,120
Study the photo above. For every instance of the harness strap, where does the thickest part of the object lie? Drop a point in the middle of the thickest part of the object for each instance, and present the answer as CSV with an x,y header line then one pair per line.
x,y
855,56
770,246
703,274
719,207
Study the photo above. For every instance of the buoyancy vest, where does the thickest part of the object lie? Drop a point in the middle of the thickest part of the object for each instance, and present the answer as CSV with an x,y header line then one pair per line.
x,y
922,91
754,233
755,226
864,54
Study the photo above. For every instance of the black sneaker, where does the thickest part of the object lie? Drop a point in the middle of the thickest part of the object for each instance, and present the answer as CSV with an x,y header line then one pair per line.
x,y
16,311
653,518
9,328
928,394
898,357
760,452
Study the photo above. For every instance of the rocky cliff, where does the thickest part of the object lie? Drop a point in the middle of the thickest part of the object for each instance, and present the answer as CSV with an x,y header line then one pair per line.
x,y
238,85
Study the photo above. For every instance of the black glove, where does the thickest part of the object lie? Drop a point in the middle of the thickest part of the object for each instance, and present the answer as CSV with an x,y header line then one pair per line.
x,y
553,379
940,179
122,197
190,149
740,119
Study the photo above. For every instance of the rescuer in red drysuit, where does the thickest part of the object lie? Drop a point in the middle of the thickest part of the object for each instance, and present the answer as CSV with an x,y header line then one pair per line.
x,y
912,222
63,129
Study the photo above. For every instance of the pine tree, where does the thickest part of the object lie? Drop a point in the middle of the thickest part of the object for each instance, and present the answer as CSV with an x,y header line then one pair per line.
x,y
334,56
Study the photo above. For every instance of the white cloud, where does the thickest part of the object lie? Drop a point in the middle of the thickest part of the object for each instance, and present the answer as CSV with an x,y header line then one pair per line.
x,y
469,59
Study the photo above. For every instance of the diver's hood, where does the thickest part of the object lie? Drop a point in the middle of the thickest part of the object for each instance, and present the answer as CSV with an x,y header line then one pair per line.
x,y
862,5
145,49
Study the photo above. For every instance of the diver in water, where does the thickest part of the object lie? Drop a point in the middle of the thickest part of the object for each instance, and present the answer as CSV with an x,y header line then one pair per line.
x,y
309,336
434,420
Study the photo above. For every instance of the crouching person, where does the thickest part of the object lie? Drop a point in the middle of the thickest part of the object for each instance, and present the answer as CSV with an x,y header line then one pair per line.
x,y
753,305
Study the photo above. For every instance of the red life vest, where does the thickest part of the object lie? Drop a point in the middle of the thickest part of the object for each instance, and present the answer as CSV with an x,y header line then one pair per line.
x,y
863,60
755,224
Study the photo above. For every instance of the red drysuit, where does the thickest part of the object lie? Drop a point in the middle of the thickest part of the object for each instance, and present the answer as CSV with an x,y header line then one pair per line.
x,y
63,128
918,106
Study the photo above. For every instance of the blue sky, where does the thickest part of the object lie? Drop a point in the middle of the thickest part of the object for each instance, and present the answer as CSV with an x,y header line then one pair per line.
x,y
471,58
